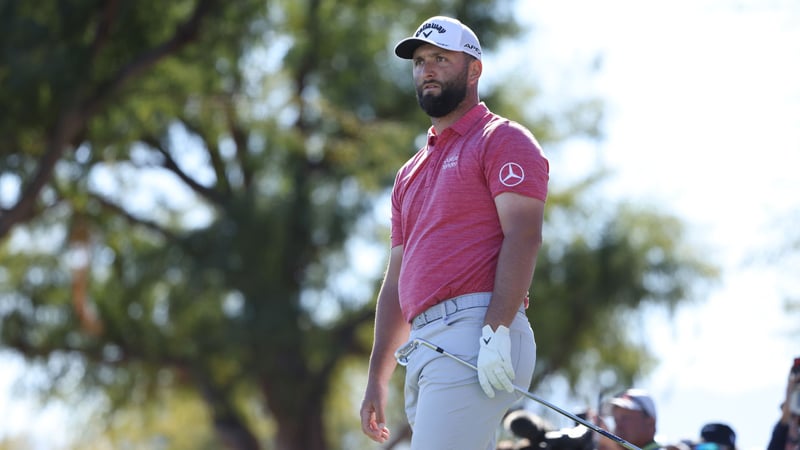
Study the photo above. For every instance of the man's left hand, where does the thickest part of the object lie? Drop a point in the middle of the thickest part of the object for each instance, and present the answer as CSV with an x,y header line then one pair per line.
x,y
494,360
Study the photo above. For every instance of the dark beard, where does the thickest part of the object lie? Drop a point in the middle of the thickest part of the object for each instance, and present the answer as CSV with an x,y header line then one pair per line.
x,y
453,93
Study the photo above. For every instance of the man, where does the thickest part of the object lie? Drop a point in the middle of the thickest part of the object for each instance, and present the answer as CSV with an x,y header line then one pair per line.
x,y
467,214
634,414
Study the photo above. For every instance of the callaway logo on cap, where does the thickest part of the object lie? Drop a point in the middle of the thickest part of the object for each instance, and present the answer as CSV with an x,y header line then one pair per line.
x,y
443,32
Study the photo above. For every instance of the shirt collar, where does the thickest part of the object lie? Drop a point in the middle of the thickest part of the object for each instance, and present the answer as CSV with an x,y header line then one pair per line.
x,y
466,121
651,446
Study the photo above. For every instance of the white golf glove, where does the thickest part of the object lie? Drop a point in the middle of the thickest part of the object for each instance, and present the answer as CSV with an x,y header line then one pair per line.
x,y
494,361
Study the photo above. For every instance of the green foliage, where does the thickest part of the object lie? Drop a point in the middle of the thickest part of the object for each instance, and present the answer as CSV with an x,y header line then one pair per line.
x,y
214,162
167,416
593,274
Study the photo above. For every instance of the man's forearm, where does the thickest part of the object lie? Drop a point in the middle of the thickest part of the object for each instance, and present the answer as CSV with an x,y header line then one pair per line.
x,y
515,267
391,331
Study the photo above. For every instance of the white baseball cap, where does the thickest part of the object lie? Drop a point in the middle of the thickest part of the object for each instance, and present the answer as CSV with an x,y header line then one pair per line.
x,y
635,399
443,32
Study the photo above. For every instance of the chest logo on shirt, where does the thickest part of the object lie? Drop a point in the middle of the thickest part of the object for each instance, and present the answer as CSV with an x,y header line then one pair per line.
x,y
450,162
511,174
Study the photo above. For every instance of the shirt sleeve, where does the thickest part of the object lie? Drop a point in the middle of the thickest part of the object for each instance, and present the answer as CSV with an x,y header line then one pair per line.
x,y
514,162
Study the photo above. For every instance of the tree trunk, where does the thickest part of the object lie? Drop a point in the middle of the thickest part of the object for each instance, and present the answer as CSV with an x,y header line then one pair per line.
x,y
235,435
297,406
231,429
302,433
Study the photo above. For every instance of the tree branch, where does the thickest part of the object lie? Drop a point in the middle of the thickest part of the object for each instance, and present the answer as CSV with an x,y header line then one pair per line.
x,y
184,34
172,165
212,147
116,209
239,137
228,423
73,120
104,24
67,126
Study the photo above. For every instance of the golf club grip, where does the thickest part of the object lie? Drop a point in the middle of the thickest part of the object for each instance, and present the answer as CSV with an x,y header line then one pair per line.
x,y
533,397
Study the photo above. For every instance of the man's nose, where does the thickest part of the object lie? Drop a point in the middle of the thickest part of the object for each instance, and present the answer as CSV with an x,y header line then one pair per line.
x,y
427,69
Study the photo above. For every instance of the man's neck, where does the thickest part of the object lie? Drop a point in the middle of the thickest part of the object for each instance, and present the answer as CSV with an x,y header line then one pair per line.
x,y
441,123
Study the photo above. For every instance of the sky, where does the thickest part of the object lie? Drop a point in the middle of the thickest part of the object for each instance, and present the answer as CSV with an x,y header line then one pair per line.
x,y
703,121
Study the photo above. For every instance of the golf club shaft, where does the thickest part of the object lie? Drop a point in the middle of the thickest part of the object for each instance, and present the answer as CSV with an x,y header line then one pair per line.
x,y
535,398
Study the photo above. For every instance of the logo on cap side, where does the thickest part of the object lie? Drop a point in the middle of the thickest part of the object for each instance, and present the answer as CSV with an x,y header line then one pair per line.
x,y
472,47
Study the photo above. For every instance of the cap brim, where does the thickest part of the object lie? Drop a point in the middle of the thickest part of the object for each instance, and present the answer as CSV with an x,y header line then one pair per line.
x,y
405,48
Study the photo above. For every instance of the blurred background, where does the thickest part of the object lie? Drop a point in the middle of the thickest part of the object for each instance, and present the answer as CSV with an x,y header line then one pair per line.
x,y
194,216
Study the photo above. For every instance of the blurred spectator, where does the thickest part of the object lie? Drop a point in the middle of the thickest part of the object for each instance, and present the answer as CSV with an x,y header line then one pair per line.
x,y
634,414
786,433
716,436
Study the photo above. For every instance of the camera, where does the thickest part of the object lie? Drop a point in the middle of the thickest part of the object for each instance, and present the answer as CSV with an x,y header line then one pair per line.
x,y
538,434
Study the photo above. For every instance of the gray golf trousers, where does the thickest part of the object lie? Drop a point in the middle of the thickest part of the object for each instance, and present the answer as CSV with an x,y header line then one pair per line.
x,y
444,402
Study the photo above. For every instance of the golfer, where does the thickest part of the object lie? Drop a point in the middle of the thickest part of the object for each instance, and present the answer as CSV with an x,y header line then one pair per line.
x,y
466,226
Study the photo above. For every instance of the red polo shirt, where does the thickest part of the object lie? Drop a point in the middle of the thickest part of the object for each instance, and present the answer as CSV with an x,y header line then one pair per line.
x,y
443,211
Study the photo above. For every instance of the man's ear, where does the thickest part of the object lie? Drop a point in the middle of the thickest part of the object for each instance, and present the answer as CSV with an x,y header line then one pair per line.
x,y
475,70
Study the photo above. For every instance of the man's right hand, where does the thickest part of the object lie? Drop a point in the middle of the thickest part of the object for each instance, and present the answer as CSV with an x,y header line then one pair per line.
x,y
373,420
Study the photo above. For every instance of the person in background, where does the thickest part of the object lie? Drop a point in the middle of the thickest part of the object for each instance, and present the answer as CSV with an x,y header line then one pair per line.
x,y
786,433
716,436
634,414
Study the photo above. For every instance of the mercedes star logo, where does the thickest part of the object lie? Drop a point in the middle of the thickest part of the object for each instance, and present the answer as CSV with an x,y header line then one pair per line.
x,y
511,174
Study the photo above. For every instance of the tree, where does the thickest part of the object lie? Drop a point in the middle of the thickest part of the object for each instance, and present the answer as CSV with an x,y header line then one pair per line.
x,y
192,181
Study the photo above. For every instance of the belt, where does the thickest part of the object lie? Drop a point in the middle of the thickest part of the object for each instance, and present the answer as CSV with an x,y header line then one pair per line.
x,y
451,306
